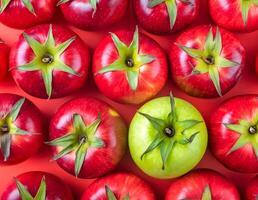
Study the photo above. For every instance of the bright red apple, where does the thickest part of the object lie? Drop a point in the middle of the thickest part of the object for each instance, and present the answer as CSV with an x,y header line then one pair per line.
x,y
21,129
4,59
251,190
26,13
202,184
37,185
88,137
49,61
234,133
235,15
93,14
129,67
119,186
165,16
207,61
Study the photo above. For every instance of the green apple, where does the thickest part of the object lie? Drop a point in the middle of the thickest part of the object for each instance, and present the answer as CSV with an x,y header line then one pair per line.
x,y
167,137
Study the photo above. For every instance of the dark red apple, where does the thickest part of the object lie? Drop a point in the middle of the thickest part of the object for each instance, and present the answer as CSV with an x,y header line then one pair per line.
x,y
119,186
21,129
234,133
26,13
251,190
37,185
165,16
4,59
257,65
235,15
49,61
88,137
93,14
129,67
203,184
207,61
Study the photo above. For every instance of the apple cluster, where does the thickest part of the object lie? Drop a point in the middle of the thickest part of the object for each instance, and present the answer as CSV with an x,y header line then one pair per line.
x,y
167,137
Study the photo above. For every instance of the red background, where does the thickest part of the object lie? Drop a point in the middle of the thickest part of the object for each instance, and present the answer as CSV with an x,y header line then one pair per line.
x,y
42,161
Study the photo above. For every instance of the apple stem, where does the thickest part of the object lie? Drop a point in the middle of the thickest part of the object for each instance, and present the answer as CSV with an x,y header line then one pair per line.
x,y
253,130
170,132
47,58
82,139
209,60
4,129
129,62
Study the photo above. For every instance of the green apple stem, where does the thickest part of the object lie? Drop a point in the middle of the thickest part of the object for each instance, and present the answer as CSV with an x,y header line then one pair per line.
x,y
129,62
47,59
170,132
253,130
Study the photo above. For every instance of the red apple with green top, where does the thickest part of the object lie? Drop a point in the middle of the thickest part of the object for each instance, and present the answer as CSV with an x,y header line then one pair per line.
x,y
49,61
203,184
207,61
234,133
129,67
88,137
21,126
119,186
26,13
251,190
93,14
4,59
167,137
37,185
235,15
165,16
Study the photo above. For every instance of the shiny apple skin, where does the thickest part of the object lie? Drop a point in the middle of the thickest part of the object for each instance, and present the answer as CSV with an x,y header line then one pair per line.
x,y
16,15
156,20
201,85
120,184
227,14
192,185
114,85
29,119
75,56
222,139
4,60
112,131
55,187
251,190
80,14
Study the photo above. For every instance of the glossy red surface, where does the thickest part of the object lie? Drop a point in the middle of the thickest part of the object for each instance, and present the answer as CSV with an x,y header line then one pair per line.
x,y
41,161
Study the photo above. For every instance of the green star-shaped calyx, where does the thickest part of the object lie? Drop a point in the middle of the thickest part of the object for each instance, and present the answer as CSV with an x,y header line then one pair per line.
x,y
25,195
8,128
129,61
27,4
248,131
245,7
209,59
111,196
47,58
79,140
170,131
171,8
206,195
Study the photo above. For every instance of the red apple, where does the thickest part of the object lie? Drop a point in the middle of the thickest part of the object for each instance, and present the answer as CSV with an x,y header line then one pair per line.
x,y
129,67
257,65
119,186
49,61
26,13
234,133
93,14
21,129
88,137
165,16
235,15
202,184
207,61
37,185
4,59
251,190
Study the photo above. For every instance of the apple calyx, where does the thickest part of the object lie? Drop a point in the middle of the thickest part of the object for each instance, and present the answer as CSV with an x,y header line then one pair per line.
x,y
27,4
111,196
129,61
245,6
209,59
248,131
47,59
79,139
171,8
8,128
25,195
206,195
170,132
